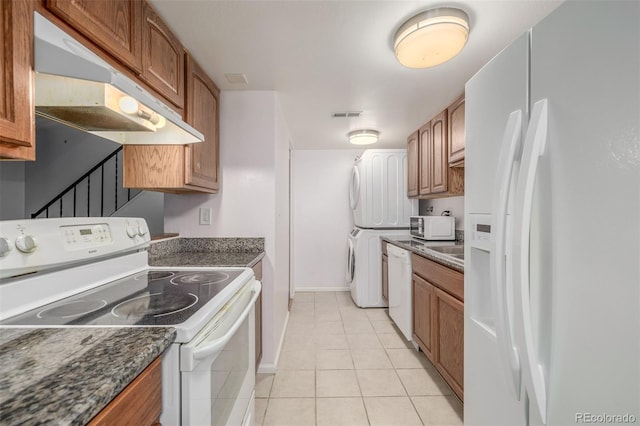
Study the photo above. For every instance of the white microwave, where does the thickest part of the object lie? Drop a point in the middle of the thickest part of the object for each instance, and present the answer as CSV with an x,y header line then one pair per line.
x,y
433,227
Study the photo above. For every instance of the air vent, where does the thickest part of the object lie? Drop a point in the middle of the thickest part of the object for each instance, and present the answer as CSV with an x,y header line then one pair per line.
x,y
236,78
346,114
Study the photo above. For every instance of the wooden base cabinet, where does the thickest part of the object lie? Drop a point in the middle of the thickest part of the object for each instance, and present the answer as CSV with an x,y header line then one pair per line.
x,y
423,307
449,357
438,318
17,120
140,403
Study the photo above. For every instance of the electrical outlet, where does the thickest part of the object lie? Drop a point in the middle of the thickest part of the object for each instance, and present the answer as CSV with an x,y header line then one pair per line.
x,y
205,215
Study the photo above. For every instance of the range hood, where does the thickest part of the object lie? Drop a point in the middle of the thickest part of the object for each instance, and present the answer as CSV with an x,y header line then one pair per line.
x,y
77,88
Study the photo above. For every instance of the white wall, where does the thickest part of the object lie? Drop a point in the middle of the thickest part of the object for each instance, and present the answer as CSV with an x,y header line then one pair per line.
x,y
12,204
453,204
63,154
253,199
322,218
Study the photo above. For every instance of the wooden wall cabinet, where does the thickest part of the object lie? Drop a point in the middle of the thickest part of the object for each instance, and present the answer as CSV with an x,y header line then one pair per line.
x,y
182,168
413,164
257,271
113,25
456,137
425,155
163,58
140,403
385,272
438,318
17,119
429,173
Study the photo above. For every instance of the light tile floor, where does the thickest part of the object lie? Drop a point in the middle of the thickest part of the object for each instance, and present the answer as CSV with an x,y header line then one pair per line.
x,y
342,365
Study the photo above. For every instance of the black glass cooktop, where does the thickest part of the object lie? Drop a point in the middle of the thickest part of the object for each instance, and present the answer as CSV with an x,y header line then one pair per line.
x,y
153,297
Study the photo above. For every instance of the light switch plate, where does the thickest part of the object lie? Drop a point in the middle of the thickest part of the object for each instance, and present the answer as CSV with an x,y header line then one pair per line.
x,y
205,215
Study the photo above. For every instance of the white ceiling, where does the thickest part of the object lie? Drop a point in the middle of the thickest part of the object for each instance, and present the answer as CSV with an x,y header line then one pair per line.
x,y
335,55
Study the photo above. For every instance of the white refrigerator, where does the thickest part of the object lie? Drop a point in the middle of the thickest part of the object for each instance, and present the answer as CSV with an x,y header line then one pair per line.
x,y
552,200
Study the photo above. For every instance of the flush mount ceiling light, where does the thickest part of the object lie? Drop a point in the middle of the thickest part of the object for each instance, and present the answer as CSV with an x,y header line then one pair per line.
x,y
363,137
431,37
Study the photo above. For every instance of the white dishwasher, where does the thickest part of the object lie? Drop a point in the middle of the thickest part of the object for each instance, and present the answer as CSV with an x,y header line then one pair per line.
x,y
400,306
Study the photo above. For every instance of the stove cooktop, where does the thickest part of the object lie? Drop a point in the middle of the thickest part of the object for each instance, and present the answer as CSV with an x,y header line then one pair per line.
x,y
151,298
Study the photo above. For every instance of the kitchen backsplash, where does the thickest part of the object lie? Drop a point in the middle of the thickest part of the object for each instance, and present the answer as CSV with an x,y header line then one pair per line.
x,y
454,204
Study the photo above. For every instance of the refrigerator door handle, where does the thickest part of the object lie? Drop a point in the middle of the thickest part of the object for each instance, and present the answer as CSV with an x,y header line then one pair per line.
x,y
534,147
354,188
504,324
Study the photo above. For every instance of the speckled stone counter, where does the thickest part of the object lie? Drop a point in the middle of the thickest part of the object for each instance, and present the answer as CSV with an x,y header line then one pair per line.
x,y
422,249
65,376
211,252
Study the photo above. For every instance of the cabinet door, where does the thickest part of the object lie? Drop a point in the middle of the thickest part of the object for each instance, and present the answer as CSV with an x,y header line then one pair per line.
x,y
426,158
456,131
202,159
439,162
17,122
413,164
114,25
385,277
163,58
423,300
449,340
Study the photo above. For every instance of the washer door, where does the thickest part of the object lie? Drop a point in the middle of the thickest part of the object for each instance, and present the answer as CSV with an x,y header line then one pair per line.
x,y
351,261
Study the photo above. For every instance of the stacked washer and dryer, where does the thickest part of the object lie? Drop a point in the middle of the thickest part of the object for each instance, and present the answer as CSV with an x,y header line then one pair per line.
x,y
378,197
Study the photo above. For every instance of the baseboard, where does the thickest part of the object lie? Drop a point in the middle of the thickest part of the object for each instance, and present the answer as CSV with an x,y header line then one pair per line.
x,y
319,289
271,368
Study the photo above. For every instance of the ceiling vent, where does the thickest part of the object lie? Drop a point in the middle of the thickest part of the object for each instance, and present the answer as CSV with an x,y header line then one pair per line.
x,y
346,114
236,78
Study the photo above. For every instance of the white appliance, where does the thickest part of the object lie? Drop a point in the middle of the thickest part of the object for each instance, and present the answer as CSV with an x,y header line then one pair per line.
x,y
433,228
364,265
378,190
400,299
380,206
94,272
552,194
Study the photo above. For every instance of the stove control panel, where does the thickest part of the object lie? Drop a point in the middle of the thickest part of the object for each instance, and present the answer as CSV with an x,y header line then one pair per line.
x,y
39,244
79,237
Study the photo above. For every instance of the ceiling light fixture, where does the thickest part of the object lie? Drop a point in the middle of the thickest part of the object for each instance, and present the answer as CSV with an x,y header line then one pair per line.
x,y
363,137
431,37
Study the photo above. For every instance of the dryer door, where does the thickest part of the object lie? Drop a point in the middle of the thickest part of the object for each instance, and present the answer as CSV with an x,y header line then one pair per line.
x,y
354,187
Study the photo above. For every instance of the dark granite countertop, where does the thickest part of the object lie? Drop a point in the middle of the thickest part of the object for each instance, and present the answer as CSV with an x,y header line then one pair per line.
x,y
423,248
211,252
65,376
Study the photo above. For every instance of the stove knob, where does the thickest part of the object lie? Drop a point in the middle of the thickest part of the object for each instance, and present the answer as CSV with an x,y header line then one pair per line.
x,y
26,243
132,231
142,230
5,247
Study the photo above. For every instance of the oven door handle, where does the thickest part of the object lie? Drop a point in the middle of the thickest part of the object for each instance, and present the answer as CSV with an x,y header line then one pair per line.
x,y
211,347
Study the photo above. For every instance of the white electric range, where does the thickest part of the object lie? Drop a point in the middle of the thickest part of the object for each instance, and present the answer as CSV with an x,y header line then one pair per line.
x,y
93,272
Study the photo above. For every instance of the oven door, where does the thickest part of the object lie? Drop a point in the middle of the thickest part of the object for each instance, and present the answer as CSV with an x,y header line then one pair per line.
x,y
217,367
